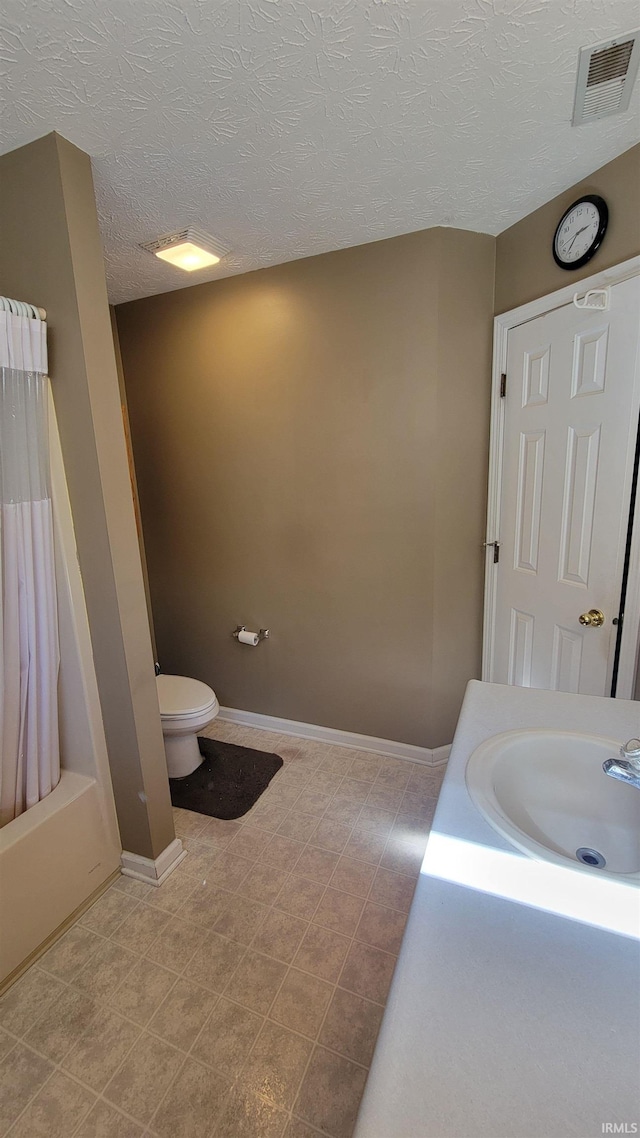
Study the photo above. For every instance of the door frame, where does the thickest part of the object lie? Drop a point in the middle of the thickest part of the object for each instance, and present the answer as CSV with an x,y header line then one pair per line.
x,y
502,325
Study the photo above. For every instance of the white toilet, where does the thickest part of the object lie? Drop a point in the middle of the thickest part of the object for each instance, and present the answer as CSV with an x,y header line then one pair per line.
x,y
186,706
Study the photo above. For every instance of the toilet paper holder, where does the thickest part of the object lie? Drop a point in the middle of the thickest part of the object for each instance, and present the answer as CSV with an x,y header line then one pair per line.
x,y
263,634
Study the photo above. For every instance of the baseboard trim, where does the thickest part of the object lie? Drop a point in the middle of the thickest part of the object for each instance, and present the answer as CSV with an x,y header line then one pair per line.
x,y
153,872
387,747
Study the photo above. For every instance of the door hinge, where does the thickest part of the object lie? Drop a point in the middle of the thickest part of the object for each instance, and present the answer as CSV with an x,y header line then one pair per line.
x,y
503,385
495,545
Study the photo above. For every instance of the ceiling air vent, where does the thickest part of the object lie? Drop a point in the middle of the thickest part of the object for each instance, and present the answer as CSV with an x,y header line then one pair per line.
x,y
606,73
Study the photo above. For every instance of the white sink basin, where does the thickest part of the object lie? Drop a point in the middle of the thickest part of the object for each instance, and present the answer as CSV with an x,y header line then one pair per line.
x,y
546,792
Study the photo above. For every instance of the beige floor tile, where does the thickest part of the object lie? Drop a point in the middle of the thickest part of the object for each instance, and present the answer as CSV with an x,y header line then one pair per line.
x,y
27,1000
410,828
377,819
394,778
172,894
249,842
350,790
279,935
227,1038
241,919
104,1121
315,863
367,971
403,857
325,782
108,912
145,1076
301,1002
142,992
365,770
102,1048
263,883
322,952
176,943
219,832
205,905
183,1013
299,1129
365,845
423,808
351,1026
346,812
299,896
22,1074
139,890
339,911
298,825
331,1092
393,890
276,1065
140,928
6,1043
268,818
330,835
380,927
255,982
313,802
199,860
69,954
214,962
192,1105
106,970
246,1115
353,876
229,870
56,1110
282,852
62,1024
384,798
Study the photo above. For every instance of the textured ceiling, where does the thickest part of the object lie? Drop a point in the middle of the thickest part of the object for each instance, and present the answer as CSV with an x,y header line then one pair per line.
x,y
291,127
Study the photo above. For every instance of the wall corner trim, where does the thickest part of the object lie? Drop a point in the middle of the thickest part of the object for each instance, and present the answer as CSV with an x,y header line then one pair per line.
x,y
387,747
153,871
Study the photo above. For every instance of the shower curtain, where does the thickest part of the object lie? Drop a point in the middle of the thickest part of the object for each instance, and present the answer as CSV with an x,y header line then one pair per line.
x,y
29,657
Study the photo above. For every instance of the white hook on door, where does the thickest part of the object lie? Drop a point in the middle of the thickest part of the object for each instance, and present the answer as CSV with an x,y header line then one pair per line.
x,y
596,298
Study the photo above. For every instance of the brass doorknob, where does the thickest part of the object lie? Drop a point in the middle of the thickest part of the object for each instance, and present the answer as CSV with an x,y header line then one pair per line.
x,y
593,619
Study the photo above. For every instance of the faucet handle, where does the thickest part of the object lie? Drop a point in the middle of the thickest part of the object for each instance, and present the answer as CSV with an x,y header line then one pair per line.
x,y
631,751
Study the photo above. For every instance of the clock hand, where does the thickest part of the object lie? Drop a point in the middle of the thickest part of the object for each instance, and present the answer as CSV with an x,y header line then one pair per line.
x,y
577,235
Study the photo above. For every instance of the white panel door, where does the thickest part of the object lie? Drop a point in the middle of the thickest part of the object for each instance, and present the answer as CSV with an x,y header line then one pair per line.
x,y
571,417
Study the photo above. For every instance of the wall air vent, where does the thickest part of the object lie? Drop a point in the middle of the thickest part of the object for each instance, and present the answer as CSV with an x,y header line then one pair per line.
x,y
606,73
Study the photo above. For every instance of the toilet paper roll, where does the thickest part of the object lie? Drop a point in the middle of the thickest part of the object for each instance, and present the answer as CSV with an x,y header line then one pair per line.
x,y
246,637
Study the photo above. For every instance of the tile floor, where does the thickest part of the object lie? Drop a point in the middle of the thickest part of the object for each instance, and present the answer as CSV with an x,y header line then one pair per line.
x,y
241,999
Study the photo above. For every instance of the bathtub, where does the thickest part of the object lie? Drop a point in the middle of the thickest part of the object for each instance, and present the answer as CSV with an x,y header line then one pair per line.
x,y
52,858
62,850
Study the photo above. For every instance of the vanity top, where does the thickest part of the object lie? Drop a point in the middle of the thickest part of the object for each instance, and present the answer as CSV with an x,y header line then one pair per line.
x,y
507,1018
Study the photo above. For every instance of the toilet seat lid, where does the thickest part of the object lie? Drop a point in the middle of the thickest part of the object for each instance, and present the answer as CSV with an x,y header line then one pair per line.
x,y
179,695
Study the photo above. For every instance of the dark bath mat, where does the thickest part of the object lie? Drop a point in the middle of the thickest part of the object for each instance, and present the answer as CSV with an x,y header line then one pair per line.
x,y
228,782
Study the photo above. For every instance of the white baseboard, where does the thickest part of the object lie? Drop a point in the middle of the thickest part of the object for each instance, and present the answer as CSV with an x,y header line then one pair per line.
x,y
424,755
150,871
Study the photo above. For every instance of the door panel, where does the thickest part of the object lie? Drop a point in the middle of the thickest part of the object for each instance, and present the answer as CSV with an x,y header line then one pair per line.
x,y
571,414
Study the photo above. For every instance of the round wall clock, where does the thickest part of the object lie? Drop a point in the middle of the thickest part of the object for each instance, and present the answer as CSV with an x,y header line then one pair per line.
x,y
580,232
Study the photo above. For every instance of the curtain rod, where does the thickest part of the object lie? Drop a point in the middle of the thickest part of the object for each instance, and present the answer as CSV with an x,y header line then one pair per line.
x,y
20,308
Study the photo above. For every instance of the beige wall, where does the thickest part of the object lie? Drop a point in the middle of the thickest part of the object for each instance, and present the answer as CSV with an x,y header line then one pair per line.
x,y
525,268
310,446
51,256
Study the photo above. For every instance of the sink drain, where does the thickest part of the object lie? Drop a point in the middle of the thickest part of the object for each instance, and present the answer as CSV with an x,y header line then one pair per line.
x,y
590,857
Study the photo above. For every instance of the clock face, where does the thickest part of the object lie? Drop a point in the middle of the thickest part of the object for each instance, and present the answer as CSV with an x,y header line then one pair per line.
x,y
580,232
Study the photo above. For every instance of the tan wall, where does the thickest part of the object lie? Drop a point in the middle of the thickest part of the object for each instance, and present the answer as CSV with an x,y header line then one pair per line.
x,y
51,256
293,470
525,268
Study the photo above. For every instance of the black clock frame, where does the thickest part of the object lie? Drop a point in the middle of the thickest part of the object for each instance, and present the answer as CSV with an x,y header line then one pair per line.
x,y
603,210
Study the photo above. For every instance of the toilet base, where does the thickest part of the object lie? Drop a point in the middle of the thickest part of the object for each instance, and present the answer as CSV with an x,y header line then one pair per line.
x,y
183,754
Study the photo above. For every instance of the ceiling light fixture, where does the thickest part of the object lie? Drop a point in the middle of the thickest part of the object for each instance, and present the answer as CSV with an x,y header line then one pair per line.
x,y
189,249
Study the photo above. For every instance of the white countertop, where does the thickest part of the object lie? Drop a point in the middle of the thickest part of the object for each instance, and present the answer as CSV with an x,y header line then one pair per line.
x,y
505,1020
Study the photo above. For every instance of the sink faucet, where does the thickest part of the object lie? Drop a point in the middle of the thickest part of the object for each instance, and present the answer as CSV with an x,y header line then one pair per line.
x,y
627,767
